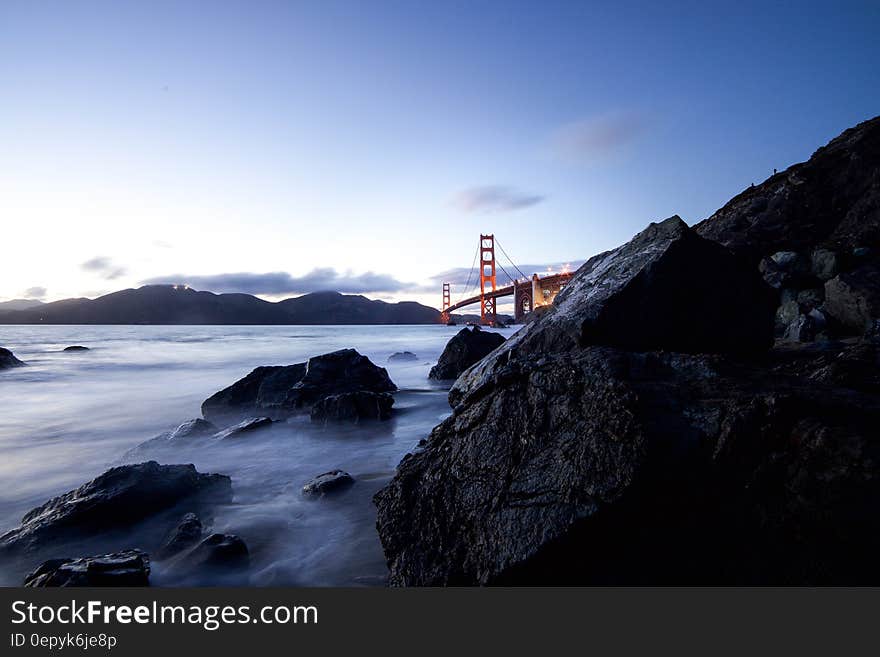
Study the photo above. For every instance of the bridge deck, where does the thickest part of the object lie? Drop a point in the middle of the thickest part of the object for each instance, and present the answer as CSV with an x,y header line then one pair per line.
x,y
508,290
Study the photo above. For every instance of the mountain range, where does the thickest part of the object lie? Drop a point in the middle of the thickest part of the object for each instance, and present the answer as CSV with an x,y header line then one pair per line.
x,y
169,304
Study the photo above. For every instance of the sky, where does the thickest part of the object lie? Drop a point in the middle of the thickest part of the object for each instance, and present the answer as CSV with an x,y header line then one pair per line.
x,y
279,148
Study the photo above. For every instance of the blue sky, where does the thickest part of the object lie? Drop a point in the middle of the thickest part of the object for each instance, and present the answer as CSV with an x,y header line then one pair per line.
x,y
281,147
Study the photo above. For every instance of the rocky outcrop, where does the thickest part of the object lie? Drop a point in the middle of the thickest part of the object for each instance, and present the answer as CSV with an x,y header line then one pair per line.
x,y
814,227
353,407
281,391
246,426
467,347
126,568
118,498
184,536
643,431
402,357
8,359
327,483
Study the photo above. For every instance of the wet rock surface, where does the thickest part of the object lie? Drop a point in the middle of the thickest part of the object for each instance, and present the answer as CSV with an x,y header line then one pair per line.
x,y
353,407
125,568
281,391
8,359
119,498
327,483
243,428
467,347
226,551
600,446
185,535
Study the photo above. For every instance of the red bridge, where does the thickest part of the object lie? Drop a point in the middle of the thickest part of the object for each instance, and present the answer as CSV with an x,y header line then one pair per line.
x,y
528,292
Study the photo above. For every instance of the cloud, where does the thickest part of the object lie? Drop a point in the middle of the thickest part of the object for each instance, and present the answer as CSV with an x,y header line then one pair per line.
x,y
495,198
104,267
36,292
597,137
277,283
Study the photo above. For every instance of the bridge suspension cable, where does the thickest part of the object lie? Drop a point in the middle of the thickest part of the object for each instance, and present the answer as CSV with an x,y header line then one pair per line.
x,y
470,273
510,260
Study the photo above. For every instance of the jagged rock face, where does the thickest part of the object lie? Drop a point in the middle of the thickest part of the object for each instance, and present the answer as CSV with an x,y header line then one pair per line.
x,y
353,407
281,391
126,568
466,347
816,224
830,202
118,498
8,359
606,466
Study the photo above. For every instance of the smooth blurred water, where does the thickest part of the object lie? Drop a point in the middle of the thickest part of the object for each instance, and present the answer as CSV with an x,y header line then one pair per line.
x,y
68,416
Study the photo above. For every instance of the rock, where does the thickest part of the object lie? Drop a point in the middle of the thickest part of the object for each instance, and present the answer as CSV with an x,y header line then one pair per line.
x,y
785,315
467,347
281,391
791,262
76,347
116,499
244,427
824,264
195,428
186,534
328,483
126,568
563,469
8,359
829,202
353,407
805,327
853,298
218,551
402,356
811,298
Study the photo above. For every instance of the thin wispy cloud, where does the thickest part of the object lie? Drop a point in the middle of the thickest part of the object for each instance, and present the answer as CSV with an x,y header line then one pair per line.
x,y
597,137
495,198
36,292
280,283
104,267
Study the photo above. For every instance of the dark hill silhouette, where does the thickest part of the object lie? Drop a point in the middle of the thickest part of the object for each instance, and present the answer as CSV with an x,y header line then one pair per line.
x,y
167,304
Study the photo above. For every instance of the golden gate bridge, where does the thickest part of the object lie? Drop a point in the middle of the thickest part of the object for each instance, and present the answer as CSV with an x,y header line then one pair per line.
x,y
528,292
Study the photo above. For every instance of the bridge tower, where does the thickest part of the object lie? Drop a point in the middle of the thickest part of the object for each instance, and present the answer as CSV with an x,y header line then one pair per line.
x,y
487,279
444,313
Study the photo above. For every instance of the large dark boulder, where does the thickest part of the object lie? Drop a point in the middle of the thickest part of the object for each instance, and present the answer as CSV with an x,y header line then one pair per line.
x,y
612,466
466,347
281,391
353,407
853,298
118,498
126,568
8,359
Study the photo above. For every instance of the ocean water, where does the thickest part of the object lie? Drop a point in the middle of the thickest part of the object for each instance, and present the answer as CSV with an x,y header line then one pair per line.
x,y
68,416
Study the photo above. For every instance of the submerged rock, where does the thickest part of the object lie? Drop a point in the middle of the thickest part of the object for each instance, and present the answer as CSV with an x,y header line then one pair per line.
x,y
194,428
466,347
353,407
281,391
8,359
244,427
126,568
118,498
76,347
186,534
327,483
218,551
402,356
